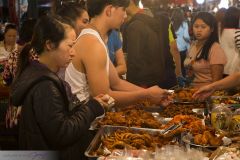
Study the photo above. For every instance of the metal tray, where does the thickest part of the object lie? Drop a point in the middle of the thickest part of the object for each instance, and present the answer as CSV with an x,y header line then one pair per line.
x,y
95,123
107,130
184,101
187,139
176,101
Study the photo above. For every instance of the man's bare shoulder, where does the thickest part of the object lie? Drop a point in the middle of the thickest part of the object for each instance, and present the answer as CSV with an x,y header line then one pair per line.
x,y
89,49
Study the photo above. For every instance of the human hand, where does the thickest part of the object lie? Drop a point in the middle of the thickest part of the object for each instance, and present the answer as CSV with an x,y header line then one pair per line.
x,y
105,100
158,95
12,116
204,92
181,81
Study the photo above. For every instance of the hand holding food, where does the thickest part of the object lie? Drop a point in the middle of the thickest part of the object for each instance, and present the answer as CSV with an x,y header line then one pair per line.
x,y
158,95
204,92
105,100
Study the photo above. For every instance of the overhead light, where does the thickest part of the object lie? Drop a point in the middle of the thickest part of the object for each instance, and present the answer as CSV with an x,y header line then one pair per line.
x,y
223,4
200,1
190,8
140,4
215,9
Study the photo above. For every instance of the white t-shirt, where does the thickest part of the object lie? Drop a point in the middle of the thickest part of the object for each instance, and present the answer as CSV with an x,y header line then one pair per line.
x,y
227,42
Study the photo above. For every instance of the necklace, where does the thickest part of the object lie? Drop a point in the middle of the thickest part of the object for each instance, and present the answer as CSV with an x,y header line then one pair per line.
x,y
96,29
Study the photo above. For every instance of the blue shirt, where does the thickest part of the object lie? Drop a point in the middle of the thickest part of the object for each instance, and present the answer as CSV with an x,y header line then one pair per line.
x,y
183,37
114,44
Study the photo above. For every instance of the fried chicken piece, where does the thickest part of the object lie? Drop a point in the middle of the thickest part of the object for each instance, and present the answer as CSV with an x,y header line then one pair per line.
x,y
198,139
216,141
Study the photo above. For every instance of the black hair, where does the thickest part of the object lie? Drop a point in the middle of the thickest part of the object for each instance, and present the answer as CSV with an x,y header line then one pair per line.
x,y
95,7
48,28
26,30
177,18
210,20
10,26
231,18
71,10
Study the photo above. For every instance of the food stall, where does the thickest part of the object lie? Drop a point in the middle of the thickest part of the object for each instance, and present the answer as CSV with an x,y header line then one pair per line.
x,y
184,129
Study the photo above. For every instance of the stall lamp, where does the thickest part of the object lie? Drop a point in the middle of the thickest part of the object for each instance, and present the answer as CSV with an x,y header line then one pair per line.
x,y
215,9
140,4
200,1
223,4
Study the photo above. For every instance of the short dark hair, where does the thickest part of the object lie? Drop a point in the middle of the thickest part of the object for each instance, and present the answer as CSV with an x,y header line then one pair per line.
x,y
10,26
95,7
71,10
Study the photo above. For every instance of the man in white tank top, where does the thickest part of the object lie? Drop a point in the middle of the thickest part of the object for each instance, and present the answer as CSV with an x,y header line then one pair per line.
x,y
91,72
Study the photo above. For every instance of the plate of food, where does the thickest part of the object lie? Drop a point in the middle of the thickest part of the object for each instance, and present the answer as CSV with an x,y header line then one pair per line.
x,y
206,140
185,96
129,118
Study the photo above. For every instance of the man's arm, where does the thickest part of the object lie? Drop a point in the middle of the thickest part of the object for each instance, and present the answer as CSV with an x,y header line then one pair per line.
x,y
94,60
228,82
121,66
176,56
174,50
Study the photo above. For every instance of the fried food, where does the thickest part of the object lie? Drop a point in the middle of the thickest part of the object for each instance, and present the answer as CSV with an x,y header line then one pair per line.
x,y
121,139
208,138
184,95
184,109
131,118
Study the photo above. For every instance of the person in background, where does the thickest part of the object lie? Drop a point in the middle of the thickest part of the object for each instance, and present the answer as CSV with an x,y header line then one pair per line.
x,y
9,42
25,36
237,39
206,58
91,71
1,32
78,14
226,83
116,54
146,42
10,68
183,39
189,15
220,17
227,40
50,120
161,14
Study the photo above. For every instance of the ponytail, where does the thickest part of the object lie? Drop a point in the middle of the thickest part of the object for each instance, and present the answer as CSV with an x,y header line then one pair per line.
x,y
23,60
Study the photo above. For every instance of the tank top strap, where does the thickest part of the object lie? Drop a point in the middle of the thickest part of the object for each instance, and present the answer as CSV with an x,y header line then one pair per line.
x,y
96,34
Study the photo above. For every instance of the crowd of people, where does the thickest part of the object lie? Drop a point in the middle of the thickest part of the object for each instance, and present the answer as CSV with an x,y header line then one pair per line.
x,y
65,67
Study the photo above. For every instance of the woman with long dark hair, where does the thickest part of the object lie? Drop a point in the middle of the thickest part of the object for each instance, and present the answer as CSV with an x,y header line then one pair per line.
x,y
49,119
205,58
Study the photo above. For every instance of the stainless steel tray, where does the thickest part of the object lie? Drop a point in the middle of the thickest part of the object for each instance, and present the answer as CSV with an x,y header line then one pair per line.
x,y
162,120
189,141
107,130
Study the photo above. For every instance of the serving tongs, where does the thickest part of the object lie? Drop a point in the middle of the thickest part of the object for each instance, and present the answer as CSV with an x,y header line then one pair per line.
x,y
173,127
